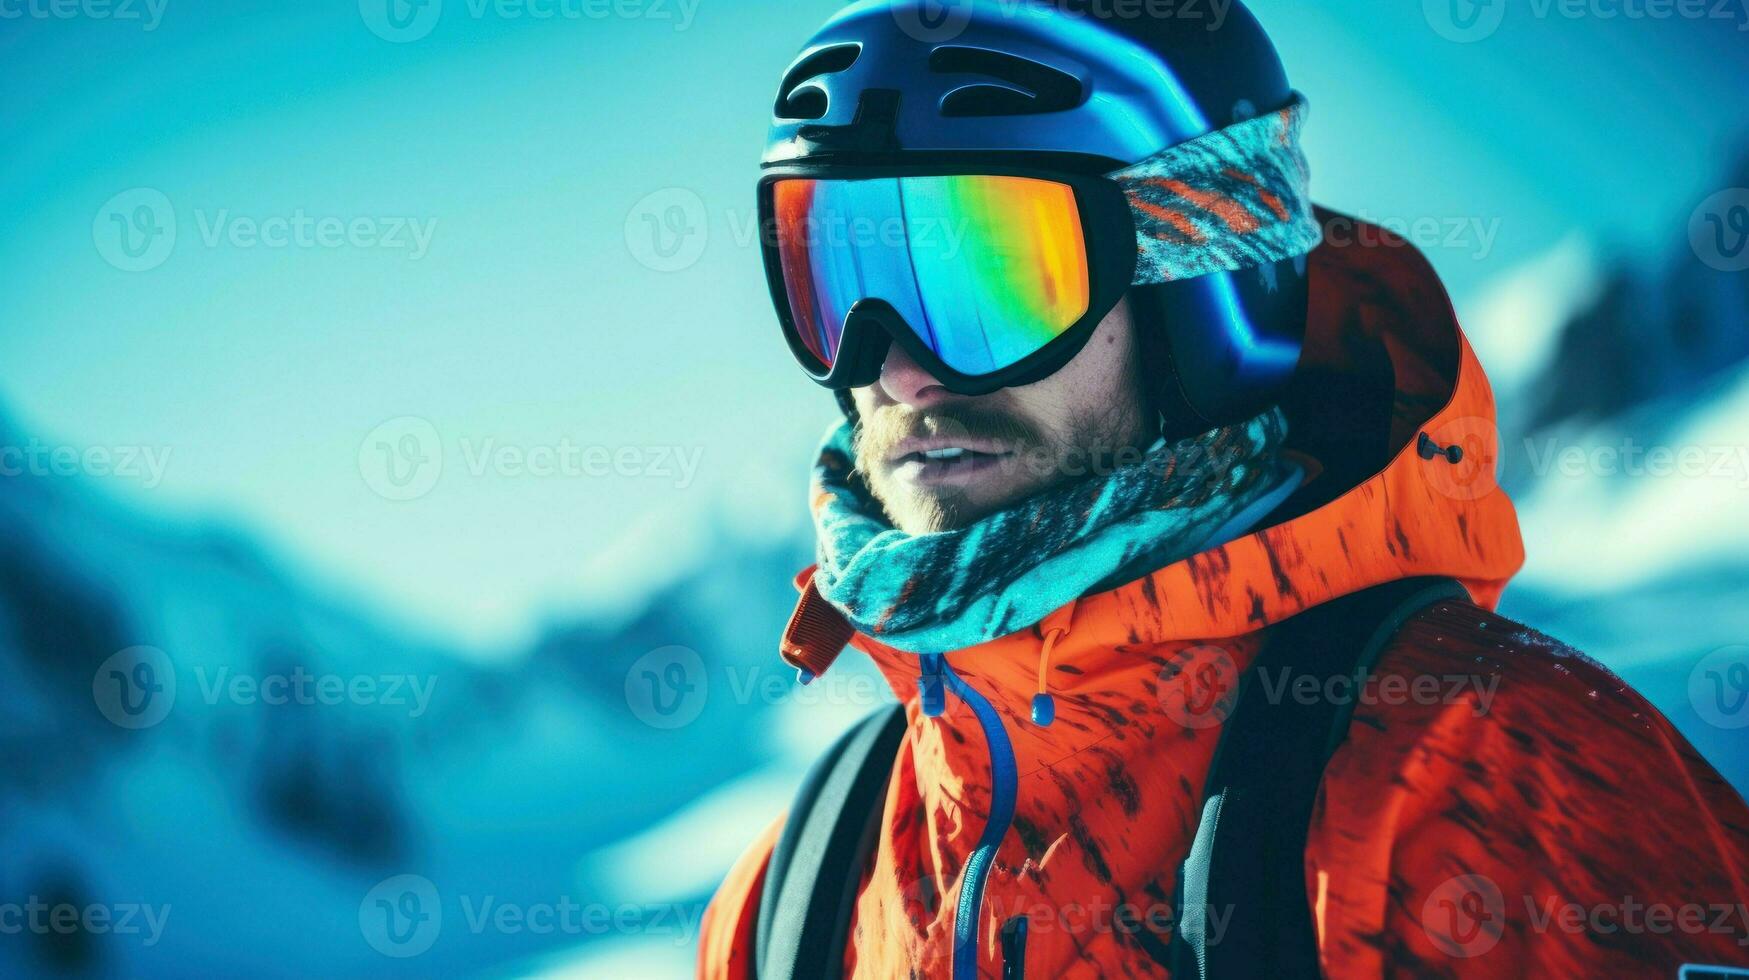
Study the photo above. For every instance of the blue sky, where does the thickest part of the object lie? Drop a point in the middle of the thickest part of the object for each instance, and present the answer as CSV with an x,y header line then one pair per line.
x,y
488,268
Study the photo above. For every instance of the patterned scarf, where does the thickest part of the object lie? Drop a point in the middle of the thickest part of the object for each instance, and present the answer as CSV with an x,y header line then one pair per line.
x,y
934,593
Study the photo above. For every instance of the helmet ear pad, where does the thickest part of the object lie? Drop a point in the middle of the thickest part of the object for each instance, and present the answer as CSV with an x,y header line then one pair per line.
x,y
1221,348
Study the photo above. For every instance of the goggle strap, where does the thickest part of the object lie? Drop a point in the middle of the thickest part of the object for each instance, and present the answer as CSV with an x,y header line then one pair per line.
x,y
1236,198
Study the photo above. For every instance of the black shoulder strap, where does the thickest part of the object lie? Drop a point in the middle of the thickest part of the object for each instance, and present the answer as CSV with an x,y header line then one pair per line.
x,y
810,884
1242,892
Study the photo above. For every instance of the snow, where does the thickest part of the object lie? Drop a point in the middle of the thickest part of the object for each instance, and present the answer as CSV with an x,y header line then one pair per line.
x,y
1515,322
615,959
1596,519
711,832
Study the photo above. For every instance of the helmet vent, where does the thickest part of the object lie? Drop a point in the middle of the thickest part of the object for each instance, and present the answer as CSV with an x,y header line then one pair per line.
x,y
801,96
1017,86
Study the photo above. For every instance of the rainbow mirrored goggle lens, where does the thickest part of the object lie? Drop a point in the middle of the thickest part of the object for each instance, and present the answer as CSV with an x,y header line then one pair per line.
x,y
985,271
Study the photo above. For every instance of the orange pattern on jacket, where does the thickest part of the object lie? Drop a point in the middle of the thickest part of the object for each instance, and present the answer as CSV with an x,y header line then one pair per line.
x,y
1543,779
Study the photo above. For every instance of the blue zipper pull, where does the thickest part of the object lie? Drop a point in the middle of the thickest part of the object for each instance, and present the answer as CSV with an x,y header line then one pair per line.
x,y
930,689
1044,707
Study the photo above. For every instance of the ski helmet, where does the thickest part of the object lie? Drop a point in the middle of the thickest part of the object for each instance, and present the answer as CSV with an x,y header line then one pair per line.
x,y
1081,86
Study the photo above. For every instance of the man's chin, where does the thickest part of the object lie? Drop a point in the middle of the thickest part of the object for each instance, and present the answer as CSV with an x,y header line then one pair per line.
x,y
928,509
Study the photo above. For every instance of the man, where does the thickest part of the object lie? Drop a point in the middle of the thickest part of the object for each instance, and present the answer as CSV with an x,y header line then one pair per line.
x,y
1129,454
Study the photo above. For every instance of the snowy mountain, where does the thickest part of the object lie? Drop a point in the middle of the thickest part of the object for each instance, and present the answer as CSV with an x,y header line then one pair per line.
x,y
1623,447
257,816
1653,329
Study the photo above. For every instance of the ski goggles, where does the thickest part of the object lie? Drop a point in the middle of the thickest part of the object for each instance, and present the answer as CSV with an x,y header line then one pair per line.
x,y
986,280
996,278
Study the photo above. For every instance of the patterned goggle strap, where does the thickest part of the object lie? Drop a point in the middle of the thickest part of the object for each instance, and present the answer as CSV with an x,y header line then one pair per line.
x,y
1232,199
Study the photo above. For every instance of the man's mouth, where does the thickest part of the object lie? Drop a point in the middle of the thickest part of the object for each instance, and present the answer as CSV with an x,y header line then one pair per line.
x,y
945,463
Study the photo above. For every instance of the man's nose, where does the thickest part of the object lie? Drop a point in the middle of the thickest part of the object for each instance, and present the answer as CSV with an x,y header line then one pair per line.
x,y
906,382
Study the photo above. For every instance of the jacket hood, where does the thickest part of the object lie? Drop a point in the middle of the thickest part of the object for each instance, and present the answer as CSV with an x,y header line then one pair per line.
x,y
1394,414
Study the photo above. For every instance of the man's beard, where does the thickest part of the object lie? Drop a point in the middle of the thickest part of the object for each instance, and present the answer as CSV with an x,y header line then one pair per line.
x,y
1101,439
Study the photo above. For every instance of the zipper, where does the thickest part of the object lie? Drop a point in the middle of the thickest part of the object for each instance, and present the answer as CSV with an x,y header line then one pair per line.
x,y
935,678
1004,780
931,695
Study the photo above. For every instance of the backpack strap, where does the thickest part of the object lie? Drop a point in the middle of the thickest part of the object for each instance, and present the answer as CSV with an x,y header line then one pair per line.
x,y
1242,891
816,866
